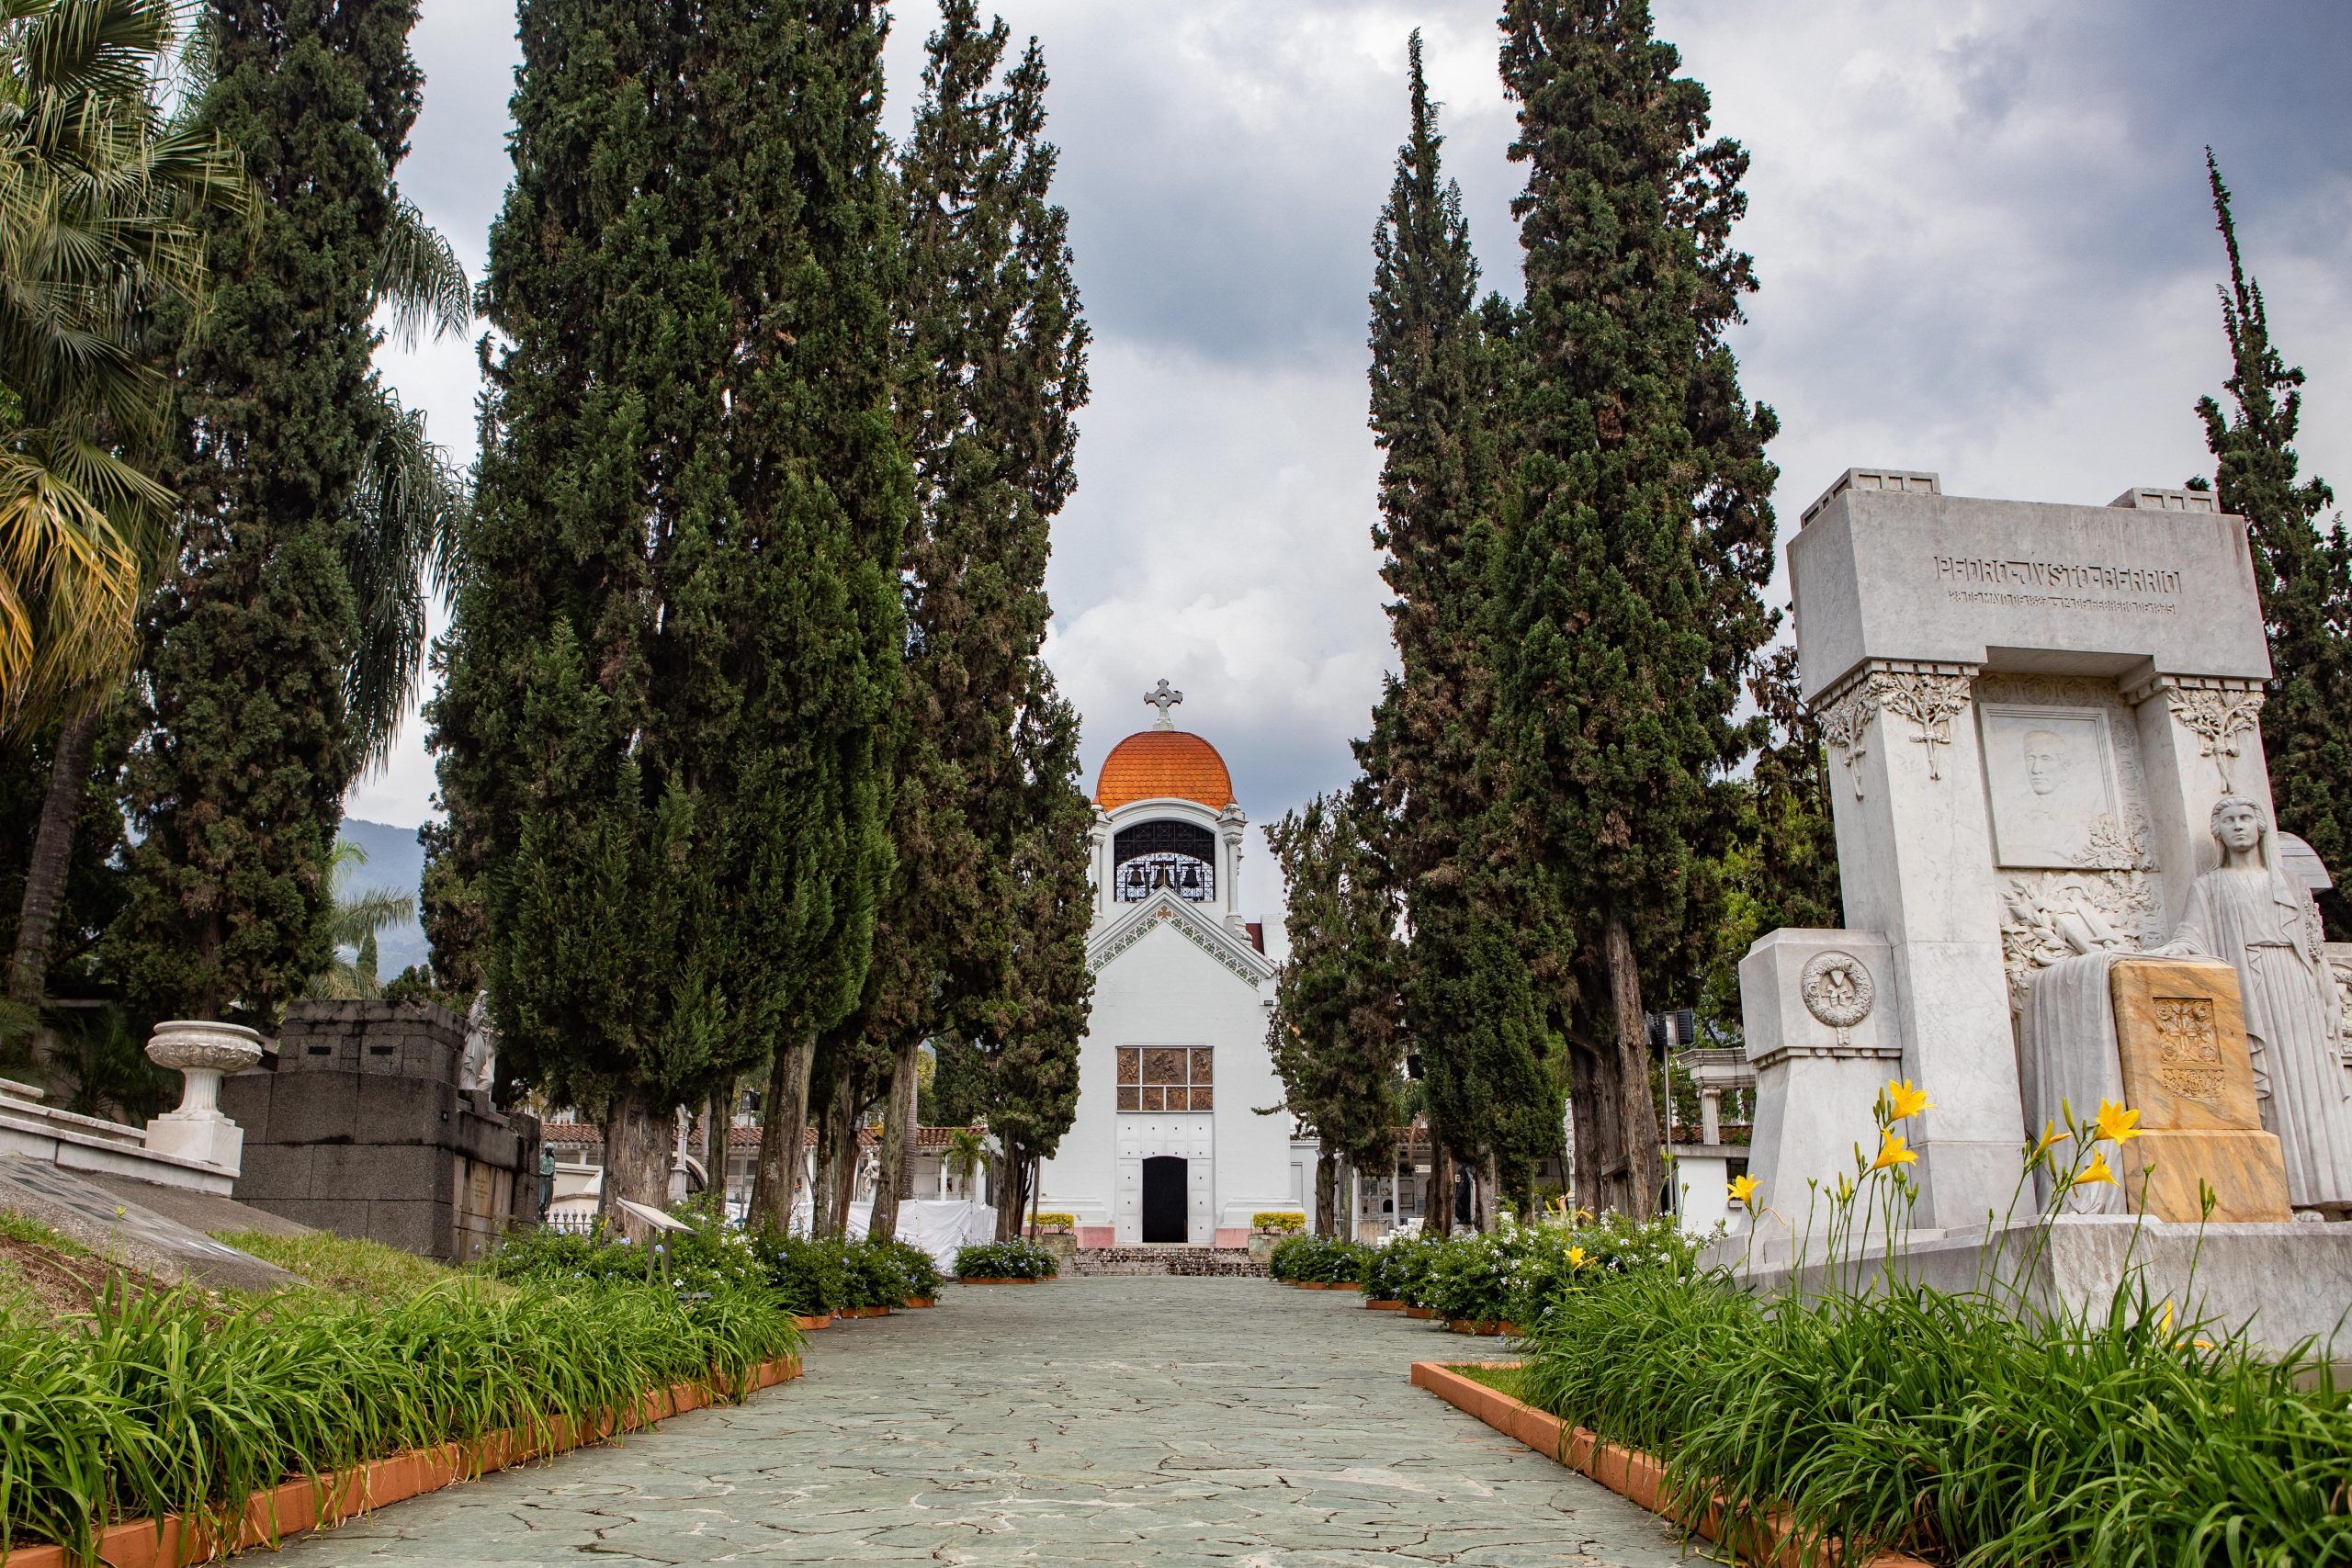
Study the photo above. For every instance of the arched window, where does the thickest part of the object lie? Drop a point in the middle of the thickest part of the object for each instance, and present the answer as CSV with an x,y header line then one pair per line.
x,y
1178,856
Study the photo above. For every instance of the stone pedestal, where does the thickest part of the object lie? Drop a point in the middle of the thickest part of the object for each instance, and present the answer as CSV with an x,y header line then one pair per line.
x,y
200,1051
1819,1007
2181,1042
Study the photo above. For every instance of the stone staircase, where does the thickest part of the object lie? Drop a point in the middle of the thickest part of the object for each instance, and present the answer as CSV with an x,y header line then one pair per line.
x,y
1165,1260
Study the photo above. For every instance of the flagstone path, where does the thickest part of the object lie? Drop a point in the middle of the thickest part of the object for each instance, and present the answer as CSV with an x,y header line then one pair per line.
x,y
1110,1420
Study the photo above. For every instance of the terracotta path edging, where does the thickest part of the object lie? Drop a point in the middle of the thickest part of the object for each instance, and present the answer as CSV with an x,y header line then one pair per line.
x,y
300,1506
1631,1474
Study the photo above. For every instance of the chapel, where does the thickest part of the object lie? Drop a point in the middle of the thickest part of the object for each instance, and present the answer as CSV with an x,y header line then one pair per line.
x,y
1168,1147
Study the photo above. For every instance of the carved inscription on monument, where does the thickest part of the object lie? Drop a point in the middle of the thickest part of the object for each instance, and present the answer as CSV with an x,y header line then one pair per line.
x,y
2188,1053
2089,585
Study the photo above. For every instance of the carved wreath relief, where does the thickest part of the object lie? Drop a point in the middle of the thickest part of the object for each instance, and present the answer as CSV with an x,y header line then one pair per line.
x,y
2189,1056
1838,991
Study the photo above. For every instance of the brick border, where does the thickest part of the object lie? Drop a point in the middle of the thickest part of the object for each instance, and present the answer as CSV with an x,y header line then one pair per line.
x,y
298,1508
1634,1475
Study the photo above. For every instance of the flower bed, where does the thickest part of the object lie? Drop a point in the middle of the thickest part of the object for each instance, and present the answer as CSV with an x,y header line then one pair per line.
x,y
1966,1427
999,1261
174,1404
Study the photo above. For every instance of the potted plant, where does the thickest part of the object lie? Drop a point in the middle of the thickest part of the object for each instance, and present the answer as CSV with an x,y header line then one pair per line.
x,y
1269,1226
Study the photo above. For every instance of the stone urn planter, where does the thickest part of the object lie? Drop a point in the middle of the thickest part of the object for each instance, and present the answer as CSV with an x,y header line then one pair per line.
x,y
200,1053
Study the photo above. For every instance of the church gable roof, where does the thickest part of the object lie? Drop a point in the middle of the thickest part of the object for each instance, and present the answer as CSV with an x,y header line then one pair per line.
x,y
1164,909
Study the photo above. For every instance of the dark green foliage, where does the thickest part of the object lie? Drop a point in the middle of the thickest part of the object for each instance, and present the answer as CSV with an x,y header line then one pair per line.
x,y
1333,1033
1428,764
237,783
2302,572
994,373
677,633
1951,1427
1636,533
92,892
1030,1041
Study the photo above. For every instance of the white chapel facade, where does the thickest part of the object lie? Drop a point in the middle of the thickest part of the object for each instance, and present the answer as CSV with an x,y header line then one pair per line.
x,y
1168,1146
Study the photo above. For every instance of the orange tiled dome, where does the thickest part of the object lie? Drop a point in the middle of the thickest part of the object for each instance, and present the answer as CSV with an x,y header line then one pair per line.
x,y
1154,764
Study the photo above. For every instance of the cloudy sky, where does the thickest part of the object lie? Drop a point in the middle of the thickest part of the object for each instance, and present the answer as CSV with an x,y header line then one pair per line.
x,y
1981,230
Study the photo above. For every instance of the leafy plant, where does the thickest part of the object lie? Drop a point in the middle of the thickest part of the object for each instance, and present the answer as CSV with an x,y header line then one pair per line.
x,y
1006,1260
1282,1222
1051,1222
1317,1259
175,1403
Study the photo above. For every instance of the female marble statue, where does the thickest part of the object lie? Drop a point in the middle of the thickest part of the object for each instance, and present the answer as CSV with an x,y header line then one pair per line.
x,y
2263,923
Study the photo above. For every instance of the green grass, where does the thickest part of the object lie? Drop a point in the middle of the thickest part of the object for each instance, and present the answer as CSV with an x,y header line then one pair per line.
x,y
1501,1378
342,1263
32,1233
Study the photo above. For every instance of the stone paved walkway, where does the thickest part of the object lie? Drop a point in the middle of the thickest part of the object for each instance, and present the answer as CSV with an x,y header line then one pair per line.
x,y
1112,1420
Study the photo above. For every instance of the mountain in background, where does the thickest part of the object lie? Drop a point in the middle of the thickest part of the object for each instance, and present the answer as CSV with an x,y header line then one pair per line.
x,y
396,862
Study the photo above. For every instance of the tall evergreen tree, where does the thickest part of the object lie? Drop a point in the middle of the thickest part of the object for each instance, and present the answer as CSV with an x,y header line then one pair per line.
x,y
995,371
1029,1039
2302,572
1428,763
237,783
1333,1033
1636,527
676,636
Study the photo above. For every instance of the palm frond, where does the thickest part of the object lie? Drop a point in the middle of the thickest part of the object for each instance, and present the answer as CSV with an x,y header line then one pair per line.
x,y
404,522
419,279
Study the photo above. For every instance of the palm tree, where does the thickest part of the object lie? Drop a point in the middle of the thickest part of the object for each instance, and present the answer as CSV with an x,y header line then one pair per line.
x,y
358,916
101,197
100,194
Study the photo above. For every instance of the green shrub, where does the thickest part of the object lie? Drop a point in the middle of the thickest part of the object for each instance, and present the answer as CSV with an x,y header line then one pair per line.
x,y
1005,1260
172,1403
1055,1222
707,1258
812,1276
1280,1222
1316,1259
1400,1266
917,1268
1513,1274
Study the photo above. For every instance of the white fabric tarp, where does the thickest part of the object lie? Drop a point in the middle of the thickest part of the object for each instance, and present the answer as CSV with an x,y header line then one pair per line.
x,y
938,1226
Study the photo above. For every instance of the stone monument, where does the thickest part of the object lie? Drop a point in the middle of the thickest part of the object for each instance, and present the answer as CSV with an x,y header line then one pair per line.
x,y
2032,711
366,1127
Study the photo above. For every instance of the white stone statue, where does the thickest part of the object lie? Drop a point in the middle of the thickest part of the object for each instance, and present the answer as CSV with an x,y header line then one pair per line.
x,y
2261,920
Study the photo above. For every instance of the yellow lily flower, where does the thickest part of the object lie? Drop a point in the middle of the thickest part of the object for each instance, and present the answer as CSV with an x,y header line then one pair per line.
x,y
1894,1151
2050,1136
1743,1191
1578,1257
1905,1100
2116,1125
2096,1173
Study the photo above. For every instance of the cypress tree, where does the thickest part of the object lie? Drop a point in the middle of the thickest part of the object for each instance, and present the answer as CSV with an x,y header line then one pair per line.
x,y
994,373
1333,1033
237,782
1031,1032
2303,572
677,635
1636,529
1428,763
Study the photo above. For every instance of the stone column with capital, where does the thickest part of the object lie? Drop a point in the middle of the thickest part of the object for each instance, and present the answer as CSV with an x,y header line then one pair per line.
x,y
1915,865
1231,824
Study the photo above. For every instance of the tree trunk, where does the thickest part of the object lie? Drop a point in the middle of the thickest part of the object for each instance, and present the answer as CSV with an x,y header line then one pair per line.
x,y
637,1143
1437,1206
1494,1190
898,1178
1326,1197
1636,1110
1007,1187
784,1128
61,813
719,1121
839,1145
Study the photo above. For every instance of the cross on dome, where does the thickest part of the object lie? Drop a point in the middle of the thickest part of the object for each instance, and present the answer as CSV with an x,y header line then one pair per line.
x,y
1163,697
